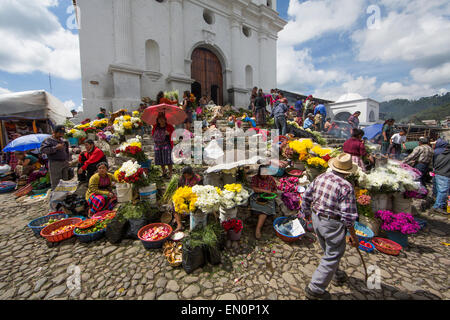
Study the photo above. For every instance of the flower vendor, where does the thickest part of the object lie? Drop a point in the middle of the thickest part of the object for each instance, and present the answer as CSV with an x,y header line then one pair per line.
x,y
387,132
279,114
309,122
442,180
57,151
188,108
189,178
162,133
99,194
88,161
102,114
263,184
330,201
421,158
356,148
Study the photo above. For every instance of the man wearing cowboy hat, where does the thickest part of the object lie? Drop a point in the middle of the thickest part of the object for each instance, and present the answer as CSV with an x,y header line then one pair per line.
x,y
330,200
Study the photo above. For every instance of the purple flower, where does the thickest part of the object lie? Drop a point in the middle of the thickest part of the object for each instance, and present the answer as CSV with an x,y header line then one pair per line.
x,y
401,222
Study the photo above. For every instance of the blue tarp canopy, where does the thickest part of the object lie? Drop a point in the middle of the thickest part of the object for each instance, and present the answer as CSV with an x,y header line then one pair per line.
x,y
25,143
373,131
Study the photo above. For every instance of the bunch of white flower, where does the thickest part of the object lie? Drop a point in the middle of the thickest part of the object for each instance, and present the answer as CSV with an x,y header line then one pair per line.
x,y
130,168
208,199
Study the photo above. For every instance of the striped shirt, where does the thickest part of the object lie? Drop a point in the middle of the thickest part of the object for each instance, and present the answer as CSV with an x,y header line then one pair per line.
x,y
332,195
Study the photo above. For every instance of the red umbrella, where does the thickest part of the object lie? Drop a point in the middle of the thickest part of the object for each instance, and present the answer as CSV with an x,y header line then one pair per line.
x,y
174,114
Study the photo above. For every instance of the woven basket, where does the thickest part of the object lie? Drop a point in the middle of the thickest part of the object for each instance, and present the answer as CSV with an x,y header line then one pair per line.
x,y
46,232
380,243
36,224
23,191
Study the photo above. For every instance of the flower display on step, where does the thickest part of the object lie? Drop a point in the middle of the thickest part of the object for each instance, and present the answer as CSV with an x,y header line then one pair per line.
x,y
132,148
130,172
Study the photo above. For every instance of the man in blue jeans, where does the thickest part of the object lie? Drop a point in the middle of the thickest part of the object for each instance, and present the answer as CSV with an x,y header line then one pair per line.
x,y
442,180
279,113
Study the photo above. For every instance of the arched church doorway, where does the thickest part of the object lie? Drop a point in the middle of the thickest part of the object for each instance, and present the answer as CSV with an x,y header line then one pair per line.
x,y
206,70
342,116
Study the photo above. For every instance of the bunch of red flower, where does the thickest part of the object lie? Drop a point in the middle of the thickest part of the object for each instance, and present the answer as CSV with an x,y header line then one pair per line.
x,y
130,150
233,224
131,179
90,129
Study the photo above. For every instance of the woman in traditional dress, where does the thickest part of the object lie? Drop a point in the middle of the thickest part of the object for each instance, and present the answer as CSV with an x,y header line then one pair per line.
x,y
99,194
188,108
356,148
188,179
263,184
161,133
260,109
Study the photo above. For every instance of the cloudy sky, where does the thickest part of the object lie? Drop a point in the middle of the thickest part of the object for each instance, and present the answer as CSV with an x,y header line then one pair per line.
x,y
383,49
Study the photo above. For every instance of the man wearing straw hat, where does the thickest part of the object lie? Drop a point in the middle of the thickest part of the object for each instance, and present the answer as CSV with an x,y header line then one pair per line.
x,y
330,200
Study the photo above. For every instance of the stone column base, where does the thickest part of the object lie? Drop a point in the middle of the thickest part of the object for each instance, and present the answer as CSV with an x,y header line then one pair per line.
x,y
239,97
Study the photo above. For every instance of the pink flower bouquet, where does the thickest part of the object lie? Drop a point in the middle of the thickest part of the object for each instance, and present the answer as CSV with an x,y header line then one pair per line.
x,y
401,222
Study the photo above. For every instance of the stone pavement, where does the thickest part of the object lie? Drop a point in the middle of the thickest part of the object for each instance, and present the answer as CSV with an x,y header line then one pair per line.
x,y
267,269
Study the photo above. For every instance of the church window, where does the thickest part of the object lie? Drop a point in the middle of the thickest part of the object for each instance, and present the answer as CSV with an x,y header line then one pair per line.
x,y
247,31
152,56
208,16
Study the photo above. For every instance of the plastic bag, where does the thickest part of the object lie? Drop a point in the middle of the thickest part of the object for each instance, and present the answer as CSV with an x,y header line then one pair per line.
x,y
213,255
134,226
213,150
64,189
115,231
193,258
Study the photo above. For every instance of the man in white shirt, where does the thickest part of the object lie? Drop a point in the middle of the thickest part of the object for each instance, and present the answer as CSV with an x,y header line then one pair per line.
x,y
397,141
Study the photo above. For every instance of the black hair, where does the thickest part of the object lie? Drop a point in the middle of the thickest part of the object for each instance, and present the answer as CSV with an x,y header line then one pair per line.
x,y
60,129
328,119
102,109
187,170
90,141
102,164
357,132
160,115
159,97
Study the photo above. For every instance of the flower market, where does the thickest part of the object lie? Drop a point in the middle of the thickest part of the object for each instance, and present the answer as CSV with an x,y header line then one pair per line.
x,y
163,227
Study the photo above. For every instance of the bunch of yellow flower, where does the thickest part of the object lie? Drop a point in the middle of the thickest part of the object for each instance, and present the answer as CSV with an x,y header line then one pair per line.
x,y
116,174
301,146
320,151
100,123
127,118
128,125
218,190
317,162
184,200
361,192
83,126
235,187
73,131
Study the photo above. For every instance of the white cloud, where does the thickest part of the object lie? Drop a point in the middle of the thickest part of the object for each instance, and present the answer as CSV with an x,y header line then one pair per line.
x,y
4,90
311,19
365,86
70,105
34,40
437,76
412,31
397,90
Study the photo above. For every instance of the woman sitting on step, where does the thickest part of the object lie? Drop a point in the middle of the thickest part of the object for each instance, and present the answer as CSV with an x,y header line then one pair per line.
x,y
99,195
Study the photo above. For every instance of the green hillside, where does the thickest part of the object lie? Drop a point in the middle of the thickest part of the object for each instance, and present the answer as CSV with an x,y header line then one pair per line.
x,y
434,113
402,109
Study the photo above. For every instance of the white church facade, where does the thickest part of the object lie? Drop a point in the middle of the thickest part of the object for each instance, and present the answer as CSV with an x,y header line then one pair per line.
x,y
135,48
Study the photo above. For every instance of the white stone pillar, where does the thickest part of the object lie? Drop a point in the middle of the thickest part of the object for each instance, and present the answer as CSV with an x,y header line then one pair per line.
x,y
263,61
123,32
177,37
236,65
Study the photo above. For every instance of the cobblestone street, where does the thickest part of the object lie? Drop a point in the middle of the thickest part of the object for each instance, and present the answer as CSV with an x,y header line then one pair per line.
x,y
266,269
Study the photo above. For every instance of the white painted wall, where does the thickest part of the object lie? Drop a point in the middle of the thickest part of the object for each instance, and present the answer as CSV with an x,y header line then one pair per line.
x,y
365,106
119,64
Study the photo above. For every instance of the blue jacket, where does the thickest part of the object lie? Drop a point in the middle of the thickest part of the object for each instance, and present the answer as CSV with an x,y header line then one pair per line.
x,y
299,105
308,123
279,110
322,109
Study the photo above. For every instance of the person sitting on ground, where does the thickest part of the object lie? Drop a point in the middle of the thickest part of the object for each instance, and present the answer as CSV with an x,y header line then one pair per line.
x,y
421,158
331,203
26,164
262,184
309,122
188,179
99,195
88,161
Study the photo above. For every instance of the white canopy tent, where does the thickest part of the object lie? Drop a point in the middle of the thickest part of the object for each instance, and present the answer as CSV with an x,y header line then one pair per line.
x,y
32,105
